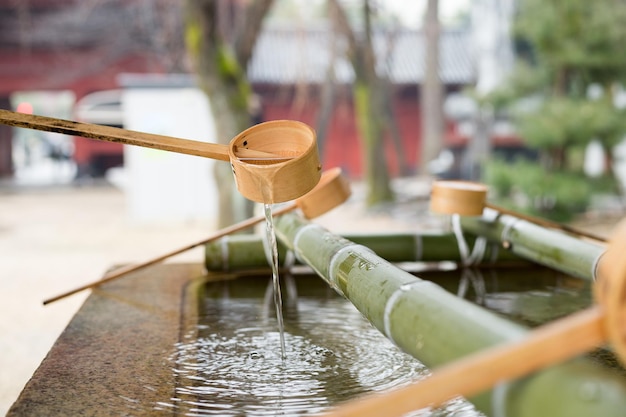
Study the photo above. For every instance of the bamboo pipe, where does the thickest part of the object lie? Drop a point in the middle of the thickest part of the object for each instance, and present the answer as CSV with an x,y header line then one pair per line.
x,y
437,328
549,247
272,162
469,199
547,345
332,190
246,251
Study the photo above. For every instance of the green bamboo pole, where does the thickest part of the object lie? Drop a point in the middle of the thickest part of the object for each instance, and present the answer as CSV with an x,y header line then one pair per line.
x,y
436,327
549,247
236,252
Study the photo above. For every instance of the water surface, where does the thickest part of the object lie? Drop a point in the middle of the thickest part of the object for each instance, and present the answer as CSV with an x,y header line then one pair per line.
x,y
230,363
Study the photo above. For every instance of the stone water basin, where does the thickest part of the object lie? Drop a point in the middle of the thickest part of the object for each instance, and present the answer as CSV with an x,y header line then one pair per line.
x,y
171,340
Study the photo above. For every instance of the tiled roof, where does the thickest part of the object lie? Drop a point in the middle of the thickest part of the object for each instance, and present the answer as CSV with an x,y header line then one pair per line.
x,y
283,56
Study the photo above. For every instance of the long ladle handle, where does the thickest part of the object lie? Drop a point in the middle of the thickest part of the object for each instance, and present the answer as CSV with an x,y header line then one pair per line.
x,y
547,345
127,137
118,273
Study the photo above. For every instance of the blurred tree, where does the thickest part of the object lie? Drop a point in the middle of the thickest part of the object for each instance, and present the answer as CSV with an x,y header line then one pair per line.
x,y
220,37
562,97
369,93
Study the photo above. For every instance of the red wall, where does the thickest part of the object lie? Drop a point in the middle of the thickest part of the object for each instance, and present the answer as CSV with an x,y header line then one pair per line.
x,y
342,147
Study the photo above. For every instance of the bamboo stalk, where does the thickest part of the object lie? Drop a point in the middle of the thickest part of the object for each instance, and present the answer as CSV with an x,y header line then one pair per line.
x,y
545,346
550,344
547,223
438,328
468,198
548,247
246,251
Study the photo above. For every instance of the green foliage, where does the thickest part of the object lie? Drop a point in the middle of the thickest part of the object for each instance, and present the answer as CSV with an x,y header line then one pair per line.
x,y
562,121
524,81
581,37
530,188
575,46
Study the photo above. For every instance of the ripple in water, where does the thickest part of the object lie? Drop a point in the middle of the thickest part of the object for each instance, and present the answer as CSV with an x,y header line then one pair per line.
x,y
231,365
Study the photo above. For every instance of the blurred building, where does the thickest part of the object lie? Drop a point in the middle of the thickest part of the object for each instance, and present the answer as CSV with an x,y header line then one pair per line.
x,y
289,70
84,46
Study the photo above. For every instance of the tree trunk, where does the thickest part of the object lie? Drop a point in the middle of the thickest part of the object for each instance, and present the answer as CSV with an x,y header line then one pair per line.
x,y
368,104
327,106
391,126
223,77
432,91
370,125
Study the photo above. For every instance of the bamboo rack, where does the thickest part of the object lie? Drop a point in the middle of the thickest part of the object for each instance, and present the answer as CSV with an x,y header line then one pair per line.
x,y
436,327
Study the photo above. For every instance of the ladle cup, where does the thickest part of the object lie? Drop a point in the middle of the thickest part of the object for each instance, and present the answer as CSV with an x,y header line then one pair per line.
x,y
331,191
273,162
268,181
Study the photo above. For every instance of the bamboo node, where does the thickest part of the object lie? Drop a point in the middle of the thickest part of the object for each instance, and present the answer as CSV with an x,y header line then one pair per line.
x,y
610,290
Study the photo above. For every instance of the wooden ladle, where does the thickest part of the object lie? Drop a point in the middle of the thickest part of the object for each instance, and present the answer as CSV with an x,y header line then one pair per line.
x,y
331,191
273,162
470,198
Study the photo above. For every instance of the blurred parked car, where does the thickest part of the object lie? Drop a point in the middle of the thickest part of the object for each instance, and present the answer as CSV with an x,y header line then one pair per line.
x,y
93,158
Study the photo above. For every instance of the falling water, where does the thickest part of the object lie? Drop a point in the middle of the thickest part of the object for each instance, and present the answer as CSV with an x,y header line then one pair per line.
x,y
273,248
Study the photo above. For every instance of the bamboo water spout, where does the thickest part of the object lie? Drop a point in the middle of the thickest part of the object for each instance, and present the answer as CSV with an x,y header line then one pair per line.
x,y
437,328
545,346
272,162
546,246
331,191
525,236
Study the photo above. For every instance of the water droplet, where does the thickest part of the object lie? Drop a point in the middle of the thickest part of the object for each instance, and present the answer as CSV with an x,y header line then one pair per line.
x,y
365,265
255,355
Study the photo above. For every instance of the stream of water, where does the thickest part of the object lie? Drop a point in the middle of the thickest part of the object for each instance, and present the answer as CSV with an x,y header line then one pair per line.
x,y
273,258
